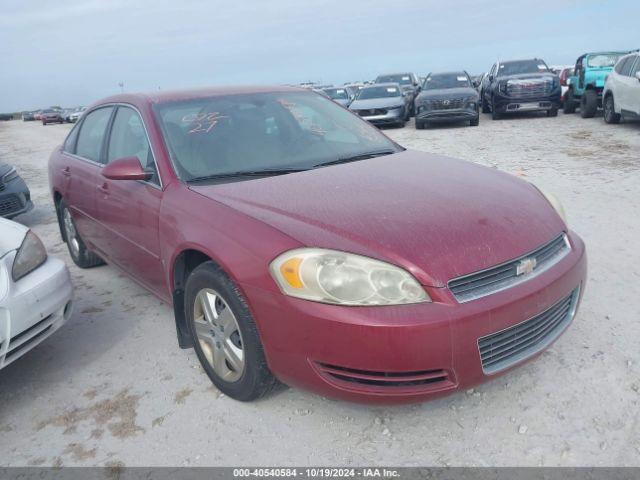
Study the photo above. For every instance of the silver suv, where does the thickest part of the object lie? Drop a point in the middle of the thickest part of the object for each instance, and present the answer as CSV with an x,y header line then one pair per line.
x,y
621,95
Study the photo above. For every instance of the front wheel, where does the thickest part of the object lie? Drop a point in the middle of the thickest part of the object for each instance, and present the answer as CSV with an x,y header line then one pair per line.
x,y
495,114
610,115
225,336
80,255
589,104
419,125
569,105
485,106
552,112
475,122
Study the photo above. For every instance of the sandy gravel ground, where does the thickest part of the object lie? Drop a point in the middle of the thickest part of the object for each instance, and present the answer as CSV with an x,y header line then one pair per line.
x,y
112,387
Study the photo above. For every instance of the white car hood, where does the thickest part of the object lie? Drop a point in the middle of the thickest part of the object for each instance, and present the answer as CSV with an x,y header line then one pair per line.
x,y
11,236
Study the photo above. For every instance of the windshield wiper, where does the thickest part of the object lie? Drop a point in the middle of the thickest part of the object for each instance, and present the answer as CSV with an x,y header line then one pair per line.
x,y
355,158
247,173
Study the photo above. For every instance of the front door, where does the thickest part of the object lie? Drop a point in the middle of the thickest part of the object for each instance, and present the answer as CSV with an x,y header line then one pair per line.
x,y
127,210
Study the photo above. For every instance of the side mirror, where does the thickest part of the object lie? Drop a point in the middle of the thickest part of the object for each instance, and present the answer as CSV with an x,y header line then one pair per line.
x,y
638,75
491,78
127,168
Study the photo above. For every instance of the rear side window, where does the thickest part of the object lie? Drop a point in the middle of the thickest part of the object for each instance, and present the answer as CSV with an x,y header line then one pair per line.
x,y
92,132
129,139
625,67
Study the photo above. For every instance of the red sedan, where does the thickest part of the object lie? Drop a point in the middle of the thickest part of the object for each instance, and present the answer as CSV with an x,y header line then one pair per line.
x,y
297,242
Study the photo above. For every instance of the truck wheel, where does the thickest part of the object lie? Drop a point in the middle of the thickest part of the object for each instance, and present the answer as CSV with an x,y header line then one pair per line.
x,y
495,114
588,104
475,122
419,125
552,112
569,102
610,115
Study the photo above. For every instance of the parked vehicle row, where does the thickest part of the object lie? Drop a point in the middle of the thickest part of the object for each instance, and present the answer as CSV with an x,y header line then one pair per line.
x,y
298,243
54,115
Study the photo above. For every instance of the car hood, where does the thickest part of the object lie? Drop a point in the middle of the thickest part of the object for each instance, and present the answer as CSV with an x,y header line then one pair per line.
x,y
435,216
376,103
4,169
11,236
447,93
51,114
527,76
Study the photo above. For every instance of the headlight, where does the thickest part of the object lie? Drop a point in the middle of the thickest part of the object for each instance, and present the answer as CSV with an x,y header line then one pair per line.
x,y
555,203
10,175
30,256
330,276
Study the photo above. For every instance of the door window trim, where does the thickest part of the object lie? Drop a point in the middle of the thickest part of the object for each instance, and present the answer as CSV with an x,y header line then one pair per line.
x,y
107,137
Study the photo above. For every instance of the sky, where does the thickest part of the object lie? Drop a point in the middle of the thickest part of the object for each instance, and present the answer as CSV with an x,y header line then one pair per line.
x,y
74,52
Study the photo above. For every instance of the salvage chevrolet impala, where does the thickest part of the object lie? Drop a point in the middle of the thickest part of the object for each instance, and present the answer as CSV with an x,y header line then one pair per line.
x,y
298,243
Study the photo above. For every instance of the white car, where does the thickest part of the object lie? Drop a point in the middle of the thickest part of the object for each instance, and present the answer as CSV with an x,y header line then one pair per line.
x,y
35,292
75,116
621,94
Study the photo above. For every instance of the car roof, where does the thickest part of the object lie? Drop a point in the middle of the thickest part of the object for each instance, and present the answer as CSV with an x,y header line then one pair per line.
x,y
394,74
453,72
607,52
165,96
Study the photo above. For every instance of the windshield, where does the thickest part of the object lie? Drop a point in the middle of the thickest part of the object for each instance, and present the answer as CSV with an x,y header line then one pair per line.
x,y
603,60
262,131
449,80
379,92
337,93
522,66
401,78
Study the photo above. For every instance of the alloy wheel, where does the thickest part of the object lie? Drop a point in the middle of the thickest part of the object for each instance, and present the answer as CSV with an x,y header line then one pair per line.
x,y
70,232
219,335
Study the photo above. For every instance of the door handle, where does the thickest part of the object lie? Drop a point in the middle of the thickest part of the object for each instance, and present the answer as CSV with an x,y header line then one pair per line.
x,y
104,188
66,171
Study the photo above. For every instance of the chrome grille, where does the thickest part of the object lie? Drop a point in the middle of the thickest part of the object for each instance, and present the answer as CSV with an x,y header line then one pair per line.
x,y
506,275
9,204
529,88
447,104
503,349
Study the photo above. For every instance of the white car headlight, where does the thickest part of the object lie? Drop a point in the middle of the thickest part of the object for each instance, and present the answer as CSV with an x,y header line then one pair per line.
x,y
30,256
555,203
330,276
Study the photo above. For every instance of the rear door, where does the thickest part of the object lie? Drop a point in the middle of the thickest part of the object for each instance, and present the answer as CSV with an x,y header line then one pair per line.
x,y
634,89
127,210
81,165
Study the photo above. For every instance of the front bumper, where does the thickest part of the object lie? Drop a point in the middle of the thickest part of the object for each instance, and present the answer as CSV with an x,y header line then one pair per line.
x,y
505,104
403,353
447,115
15,198
392,117
32,308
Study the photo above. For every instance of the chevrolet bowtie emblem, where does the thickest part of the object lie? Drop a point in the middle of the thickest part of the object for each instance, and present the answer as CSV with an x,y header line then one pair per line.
x,y
526,266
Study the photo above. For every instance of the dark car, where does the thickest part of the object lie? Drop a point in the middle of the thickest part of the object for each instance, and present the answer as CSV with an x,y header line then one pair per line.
x,y
51,116
28,116
5,117
15,197
295,241
341,95
383,104
408,82
448,96
520,85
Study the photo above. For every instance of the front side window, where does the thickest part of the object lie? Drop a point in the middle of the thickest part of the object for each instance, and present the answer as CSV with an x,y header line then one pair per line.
x,y
636,68
452,80
129,139
92,132
258,132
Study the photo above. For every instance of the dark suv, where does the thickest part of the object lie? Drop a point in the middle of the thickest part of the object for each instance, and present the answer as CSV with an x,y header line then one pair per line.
x,y
521,85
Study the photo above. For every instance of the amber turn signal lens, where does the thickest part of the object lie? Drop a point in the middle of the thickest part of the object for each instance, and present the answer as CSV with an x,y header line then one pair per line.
x,y
290,271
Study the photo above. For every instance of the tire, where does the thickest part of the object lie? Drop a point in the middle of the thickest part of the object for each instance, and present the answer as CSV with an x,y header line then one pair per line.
x,y
226,341
419,125
495,115
569,103
401,123
610,115
475,122
80,255
44,124
552,112
485,106
588,104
